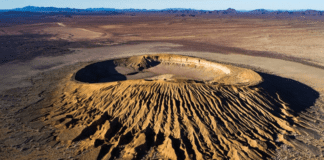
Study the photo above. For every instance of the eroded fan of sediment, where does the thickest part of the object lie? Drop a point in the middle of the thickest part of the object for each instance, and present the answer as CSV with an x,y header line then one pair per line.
x,y
175,117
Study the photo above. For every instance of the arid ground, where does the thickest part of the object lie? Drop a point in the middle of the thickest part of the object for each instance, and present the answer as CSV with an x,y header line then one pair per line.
x,y
162,87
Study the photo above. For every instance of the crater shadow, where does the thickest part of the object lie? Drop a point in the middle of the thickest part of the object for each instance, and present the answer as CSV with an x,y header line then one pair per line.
x,y
99,72
106,71
298,96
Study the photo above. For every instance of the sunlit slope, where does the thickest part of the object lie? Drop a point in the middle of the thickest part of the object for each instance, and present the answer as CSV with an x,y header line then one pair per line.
x,y
223,114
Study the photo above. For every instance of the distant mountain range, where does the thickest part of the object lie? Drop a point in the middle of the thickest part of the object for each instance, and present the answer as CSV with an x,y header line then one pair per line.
x,y
229,11
54,9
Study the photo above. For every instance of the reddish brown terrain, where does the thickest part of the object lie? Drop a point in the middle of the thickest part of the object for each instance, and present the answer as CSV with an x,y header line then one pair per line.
x,y
162,86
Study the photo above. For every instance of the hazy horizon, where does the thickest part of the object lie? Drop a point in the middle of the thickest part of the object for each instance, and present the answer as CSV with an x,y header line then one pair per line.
x,y
242,10
165,4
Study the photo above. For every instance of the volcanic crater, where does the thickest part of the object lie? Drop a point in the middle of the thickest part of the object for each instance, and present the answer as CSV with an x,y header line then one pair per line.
x,y
166,106
166,67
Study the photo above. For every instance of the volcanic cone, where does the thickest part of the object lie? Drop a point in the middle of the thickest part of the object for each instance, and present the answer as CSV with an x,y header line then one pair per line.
x,y
169,107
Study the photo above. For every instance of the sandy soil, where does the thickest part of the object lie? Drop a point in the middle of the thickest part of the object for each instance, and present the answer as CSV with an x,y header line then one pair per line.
x,y
45,113
285,38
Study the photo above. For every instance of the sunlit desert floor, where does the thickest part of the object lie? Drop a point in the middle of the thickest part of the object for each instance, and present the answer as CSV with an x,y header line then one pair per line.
x,y
162,87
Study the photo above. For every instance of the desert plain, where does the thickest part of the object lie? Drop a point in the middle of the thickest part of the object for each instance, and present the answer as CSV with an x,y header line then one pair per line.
x,y
152,86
